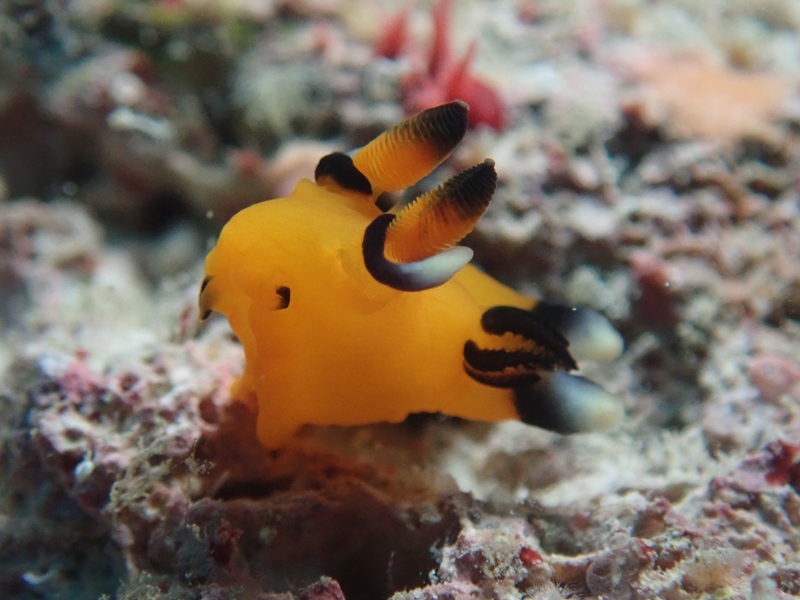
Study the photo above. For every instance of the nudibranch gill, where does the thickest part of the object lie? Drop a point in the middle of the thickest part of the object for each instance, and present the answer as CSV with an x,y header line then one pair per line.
x,y
351,315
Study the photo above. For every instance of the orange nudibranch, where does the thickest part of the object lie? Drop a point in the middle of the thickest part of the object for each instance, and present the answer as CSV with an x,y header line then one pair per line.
x,y
351,315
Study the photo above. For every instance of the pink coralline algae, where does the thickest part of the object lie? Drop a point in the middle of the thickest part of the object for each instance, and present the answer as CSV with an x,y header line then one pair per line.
x,y
775,376
783,465
393,36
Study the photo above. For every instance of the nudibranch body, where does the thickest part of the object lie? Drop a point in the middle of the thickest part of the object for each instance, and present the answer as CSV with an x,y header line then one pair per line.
x,y
350,315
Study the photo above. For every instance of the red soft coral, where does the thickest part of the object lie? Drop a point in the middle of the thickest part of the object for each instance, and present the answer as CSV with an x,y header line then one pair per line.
x,y
393,36
447,77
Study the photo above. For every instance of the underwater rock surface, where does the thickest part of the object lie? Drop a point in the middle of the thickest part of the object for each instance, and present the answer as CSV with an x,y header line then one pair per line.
x,y
648,163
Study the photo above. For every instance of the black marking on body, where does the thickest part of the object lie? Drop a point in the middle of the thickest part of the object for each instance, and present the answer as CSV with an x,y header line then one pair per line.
x,y
512,367
285,294
500,320
405,277
441,126
538,405
372,248
497,359
340,168
560,317
385,201
468,192
413,276
558,403
506,379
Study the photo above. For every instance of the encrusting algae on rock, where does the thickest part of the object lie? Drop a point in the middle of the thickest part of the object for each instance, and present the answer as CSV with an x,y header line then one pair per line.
x,y
350,315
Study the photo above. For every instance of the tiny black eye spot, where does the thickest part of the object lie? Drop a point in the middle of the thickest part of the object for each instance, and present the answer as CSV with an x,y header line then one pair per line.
x,y
285,294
